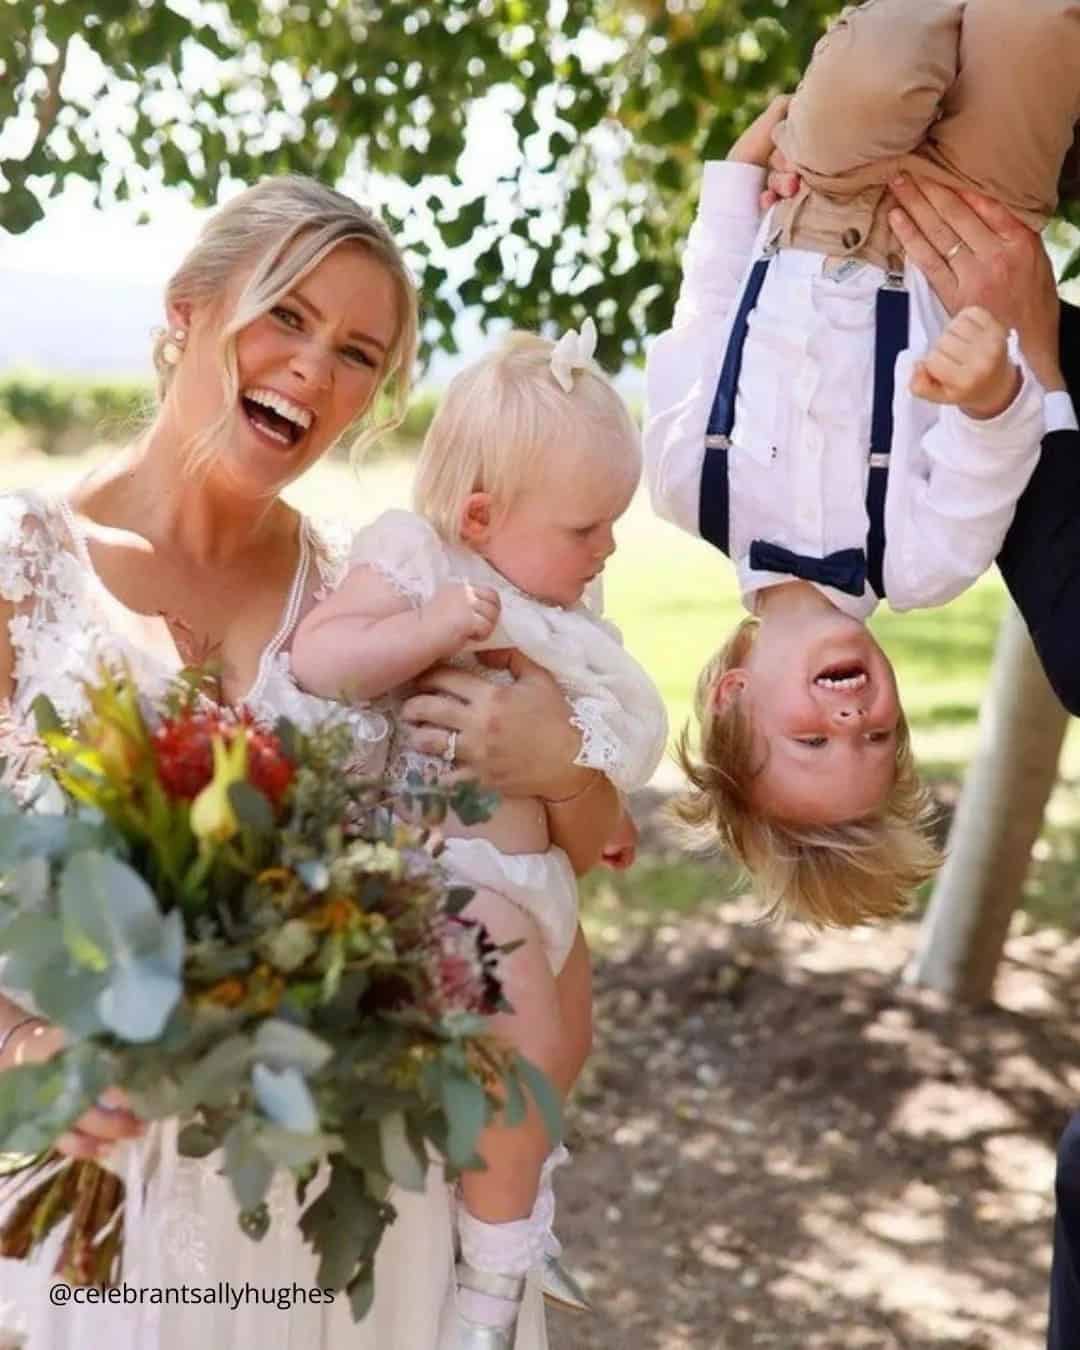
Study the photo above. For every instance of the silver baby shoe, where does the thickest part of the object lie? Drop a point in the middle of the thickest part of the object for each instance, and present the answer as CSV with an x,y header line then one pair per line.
x,y
457,1332
560,1287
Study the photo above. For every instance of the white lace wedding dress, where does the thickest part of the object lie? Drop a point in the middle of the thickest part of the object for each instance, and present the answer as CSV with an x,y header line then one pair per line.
x,y
186,1236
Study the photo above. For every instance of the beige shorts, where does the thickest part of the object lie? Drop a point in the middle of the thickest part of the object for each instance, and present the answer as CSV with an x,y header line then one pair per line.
x,y
542,884
981,94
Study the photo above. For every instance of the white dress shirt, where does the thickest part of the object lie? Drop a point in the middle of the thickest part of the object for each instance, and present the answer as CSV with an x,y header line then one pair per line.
x,y
798,462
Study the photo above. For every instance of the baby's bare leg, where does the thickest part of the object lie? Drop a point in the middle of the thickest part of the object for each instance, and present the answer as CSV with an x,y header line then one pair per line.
x,y
574,988
536,1028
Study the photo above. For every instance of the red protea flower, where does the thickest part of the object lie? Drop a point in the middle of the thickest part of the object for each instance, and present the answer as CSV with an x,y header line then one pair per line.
x,y
183,754
185,761
269,768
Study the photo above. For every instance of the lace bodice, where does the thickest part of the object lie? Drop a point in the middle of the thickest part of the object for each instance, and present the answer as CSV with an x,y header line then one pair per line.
x,y
66,623
615,704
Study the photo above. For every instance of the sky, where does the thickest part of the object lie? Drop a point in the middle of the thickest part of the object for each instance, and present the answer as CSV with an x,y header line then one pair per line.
x,y
80,291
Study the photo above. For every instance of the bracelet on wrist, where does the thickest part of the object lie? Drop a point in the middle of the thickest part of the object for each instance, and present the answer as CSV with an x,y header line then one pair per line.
x,y
29,1020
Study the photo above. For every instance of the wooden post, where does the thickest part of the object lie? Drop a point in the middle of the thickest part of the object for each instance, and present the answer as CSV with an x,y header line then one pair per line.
x,y
996,825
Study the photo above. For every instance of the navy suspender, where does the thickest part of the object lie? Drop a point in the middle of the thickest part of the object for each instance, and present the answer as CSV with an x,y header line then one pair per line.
x,y
892,315
891,337
714,508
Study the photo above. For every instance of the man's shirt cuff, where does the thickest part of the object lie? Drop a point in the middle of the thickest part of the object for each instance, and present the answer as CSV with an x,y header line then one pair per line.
x,y
1059,413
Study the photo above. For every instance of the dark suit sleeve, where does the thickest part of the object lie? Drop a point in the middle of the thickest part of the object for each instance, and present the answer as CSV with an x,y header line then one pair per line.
x,y
1040,559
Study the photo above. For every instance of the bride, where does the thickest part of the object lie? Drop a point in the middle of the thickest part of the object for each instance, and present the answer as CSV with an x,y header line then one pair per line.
x,y
292,312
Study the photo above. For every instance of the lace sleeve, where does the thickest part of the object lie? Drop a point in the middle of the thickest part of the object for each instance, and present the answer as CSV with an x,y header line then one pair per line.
x,y
331,539
613,702
404,550
28,583
622,736
23,548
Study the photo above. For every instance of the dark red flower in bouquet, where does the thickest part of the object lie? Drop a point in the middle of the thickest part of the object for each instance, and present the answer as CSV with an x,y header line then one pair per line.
x,y
183,751
269,768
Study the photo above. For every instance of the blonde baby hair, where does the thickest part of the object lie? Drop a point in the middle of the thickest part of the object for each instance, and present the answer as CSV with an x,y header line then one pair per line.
x,y
838,875
277,232
500,418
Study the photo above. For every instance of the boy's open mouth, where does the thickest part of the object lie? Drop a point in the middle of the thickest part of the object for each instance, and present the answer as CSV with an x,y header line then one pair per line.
x,y
843,677
276,416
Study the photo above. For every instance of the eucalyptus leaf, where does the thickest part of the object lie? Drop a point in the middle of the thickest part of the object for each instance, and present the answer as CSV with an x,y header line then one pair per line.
x,y
285,1098
361,1291
248,1168
111,922
288,1148
139,998
283,1045
214,1080
46,718
45,836
407,1166
343,1225
32,943
544,1095
252,807
362,1144
106,904
38,1102
194,1140
70,997
29,881
466,1111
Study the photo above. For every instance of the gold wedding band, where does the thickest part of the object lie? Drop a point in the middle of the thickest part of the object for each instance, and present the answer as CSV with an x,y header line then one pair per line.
x,y
958,247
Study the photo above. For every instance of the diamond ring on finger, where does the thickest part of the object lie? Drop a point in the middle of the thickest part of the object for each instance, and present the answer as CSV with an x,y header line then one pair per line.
x,y
449,755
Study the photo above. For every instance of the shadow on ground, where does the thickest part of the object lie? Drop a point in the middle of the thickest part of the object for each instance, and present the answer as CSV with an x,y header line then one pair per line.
x,y
780,1144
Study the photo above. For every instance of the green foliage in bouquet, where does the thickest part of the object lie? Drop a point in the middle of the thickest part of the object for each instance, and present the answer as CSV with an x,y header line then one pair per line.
x,y
242,933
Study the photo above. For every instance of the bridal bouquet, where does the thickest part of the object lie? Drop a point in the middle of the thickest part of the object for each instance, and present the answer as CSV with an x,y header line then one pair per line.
x,y
240,933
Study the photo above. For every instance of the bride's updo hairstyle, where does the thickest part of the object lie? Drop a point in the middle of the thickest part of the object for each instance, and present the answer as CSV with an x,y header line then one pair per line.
x,y
501,417
276,233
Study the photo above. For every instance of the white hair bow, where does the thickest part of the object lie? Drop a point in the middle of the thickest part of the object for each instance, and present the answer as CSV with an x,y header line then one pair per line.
x,y
573,351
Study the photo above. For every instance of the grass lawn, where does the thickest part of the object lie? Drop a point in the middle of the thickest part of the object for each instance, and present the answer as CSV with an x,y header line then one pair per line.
x,y
674,599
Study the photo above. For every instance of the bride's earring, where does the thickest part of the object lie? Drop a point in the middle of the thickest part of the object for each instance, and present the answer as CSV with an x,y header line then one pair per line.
x,y
173,349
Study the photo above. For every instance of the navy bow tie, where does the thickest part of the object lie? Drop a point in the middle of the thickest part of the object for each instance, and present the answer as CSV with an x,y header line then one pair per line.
x,y
843,571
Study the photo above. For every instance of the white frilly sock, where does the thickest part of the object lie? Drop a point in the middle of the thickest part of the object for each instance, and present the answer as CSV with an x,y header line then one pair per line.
x,y
543,1213
508,1248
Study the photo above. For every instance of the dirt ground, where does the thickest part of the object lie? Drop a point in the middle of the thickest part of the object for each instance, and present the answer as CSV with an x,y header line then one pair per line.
x,y
780,1144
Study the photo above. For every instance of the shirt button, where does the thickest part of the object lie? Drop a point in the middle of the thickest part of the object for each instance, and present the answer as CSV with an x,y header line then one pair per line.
x,y
851,238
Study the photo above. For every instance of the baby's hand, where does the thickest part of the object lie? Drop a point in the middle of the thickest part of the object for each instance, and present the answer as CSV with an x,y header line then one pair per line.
x,y
969,366
466,613
621,849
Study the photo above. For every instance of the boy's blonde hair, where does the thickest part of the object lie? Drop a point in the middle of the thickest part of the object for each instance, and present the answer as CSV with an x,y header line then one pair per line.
x,y
838,875
499,419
